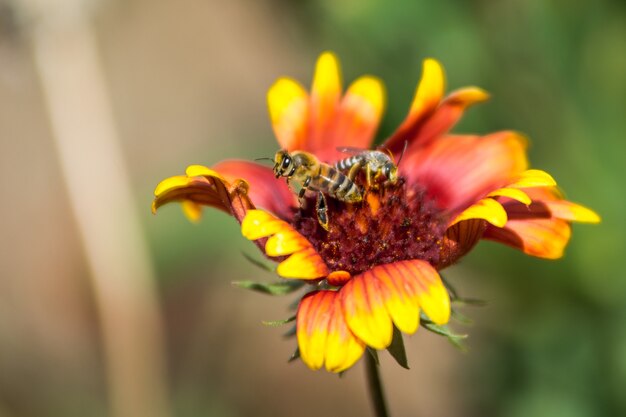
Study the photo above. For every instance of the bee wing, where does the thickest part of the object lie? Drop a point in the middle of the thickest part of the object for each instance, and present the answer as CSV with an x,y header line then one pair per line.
x,y
351,150
386,151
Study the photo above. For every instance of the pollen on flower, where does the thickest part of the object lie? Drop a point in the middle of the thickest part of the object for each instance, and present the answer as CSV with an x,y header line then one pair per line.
x,y
394,223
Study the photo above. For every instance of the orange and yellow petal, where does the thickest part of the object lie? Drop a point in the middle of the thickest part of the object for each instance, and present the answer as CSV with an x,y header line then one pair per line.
x,y
572,212
365,311
432,295
486,209
393,293
512,193
232,186
430,89
204,187
288,104
543,238
533,178
459,239
492,211
303,262
431,115
324,100
265,191
457,171
400,296
358,117
428,95
561,208
324,339
542,228
448,114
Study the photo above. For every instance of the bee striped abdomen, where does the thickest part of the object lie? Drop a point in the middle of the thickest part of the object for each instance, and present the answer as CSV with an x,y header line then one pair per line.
x,y
348,163
338,185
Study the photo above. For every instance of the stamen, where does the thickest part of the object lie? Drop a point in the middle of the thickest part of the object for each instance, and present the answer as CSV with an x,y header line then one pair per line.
x,y
396,222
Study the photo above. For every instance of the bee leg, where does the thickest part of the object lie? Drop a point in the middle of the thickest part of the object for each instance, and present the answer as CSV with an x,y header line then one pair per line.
x,y
368,176
322,211
354,170
305,184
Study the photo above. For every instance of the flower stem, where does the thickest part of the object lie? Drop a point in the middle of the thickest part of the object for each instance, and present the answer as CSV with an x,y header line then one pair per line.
x,y
375,386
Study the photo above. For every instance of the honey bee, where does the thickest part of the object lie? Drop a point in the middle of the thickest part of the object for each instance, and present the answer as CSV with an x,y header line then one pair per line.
x,y
313,175
376,164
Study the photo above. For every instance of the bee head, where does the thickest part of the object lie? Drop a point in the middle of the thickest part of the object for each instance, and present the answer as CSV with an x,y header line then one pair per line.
x,y
391,172
283,164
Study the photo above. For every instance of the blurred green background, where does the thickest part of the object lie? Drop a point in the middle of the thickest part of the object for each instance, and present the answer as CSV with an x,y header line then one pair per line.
x,y
187,82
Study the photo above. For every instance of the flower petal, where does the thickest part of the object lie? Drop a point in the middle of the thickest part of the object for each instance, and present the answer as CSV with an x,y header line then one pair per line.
x,y
400,295
323,336
512,193
533,178
572,212
486,209
265,190
430,116
561,208
429,93
432,295
288,104
447,115
303,262
430,89
325,95
460,238
459,170
544,238
193,211
365,311
359,114
258,224
211,190
393,293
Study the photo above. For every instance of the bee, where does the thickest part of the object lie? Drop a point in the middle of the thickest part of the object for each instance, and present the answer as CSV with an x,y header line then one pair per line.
x,y
376,164
313,175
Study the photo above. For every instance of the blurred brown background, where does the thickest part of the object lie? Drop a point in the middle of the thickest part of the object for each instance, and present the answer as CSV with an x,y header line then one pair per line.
x,y
186,83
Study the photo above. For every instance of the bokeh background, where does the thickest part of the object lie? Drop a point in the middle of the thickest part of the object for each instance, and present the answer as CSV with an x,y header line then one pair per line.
x,y
186,81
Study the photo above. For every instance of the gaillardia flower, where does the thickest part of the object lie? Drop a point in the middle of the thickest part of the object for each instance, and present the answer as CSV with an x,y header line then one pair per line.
x,y
375,266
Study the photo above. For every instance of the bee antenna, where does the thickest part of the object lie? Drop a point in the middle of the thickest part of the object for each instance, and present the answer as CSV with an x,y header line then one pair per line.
x,y
264,159
406,144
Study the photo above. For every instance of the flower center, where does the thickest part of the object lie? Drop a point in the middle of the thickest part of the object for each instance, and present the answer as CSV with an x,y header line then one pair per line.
x,y
394,223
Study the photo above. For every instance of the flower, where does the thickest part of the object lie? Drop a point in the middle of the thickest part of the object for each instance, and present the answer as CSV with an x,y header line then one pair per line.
x,y
376,267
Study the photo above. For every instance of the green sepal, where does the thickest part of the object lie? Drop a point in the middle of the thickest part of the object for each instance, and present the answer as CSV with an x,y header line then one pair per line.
x,y
443,330
294,356
274,288
258,263
374,354
451,290
277,323
396,348
291,332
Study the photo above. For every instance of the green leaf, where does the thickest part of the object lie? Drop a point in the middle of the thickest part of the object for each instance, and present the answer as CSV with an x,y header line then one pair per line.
x,y
276,288
443,330
396,348
258,263
461,318
277,323
469,302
